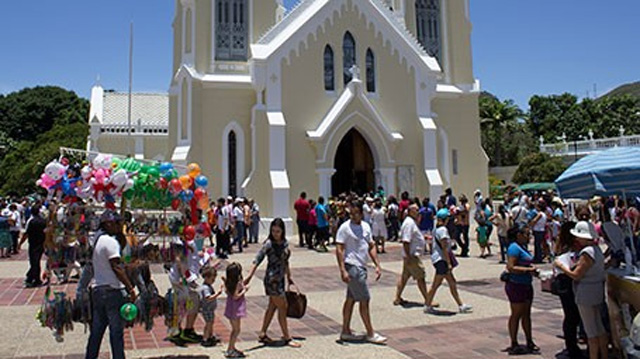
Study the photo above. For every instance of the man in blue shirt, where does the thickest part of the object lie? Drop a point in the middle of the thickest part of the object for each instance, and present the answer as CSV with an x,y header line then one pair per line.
x,y
426,215
323,225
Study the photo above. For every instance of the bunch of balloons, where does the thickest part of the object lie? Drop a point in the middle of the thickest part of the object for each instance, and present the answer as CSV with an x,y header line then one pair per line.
x,y
108,178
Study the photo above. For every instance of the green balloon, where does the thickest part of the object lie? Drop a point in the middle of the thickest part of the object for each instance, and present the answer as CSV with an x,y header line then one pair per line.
x,y
129,312
154,172
117,163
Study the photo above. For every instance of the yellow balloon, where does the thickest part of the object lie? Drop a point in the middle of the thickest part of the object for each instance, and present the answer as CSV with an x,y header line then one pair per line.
x,y
185,181
193,169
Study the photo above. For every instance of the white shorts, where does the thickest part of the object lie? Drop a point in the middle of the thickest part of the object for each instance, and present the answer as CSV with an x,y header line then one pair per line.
x,y
379,231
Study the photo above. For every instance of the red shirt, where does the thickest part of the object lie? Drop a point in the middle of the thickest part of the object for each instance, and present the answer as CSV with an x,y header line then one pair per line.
x,y
403,206
302,209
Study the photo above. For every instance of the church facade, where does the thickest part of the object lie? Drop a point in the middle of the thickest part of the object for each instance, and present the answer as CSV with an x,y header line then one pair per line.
x,y
334,95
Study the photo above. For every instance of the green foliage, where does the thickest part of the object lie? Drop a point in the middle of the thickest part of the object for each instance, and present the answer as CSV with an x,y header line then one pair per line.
x,y
21,167
551,116
500,120
32,111
539,167
35,123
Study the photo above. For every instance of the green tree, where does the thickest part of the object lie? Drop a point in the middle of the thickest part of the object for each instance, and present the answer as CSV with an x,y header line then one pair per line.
x,y
500,120
551,116
22,166
27,113
539,167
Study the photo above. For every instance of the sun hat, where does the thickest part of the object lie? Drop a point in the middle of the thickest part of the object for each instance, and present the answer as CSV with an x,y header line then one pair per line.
x,y
583,230
442,213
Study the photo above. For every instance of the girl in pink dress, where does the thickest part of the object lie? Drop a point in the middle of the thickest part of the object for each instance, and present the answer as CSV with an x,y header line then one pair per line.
x,y
236,307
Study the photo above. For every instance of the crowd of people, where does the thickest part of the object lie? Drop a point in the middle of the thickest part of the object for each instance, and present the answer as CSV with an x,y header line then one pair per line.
x,y
359,227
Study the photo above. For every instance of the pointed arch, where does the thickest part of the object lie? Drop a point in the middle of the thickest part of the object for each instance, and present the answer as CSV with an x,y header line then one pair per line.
x,y
370,64
329,69
233,155
348,56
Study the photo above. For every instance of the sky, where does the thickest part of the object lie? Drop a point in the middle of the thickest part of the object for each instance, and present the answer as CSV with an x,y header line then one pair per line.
x,y
520,48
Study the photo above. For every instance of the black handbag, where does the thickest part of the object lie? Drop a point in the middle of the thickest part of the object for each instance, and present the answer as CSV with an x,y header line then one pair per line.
x,y
561,284
505,276
296,303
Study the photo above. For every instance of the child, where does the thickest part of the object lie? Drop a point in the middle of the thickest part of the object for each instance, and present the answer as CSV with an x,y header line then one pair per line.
x,y
483,242
236,308
208,304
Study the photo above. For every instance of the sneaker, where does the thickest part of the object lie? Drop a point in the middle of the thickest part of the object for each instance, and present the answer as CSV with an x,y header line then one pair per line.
x,y
429,309
377,339
190,336
350,337
465,308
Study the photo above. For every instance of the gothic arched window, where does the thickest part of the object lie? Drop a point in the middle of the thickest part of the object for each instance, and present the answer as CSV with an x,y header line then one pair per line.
x,y
329,72
232,164
232,30
348,56
184,115
428,26
371,71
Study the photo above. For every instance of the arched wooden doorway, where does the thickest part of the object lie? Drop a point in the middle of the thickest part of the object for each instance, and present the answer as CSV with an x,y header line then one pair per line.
x,y
354,165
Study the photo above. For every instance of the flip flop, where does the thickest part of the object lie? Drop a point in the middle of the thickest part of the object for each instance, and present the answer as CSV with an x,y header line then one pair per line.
x,y
291,343
399,302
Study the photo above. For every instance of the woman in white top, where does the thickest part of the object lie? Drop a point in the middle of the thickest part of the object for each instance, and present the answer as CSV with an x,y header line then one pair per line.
x,y
539,226
502,221
379,226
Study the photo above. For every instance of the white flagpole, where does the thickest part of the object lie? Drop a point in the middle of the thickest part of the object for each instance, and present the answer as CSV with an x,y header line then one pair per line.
x,y
130,85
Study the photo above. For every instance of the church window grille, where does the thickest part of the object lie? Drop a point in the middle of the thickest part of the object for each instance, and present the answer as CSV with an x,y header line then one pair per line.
x,y
371,71
329,72
188,31
232,32
349,56
428,22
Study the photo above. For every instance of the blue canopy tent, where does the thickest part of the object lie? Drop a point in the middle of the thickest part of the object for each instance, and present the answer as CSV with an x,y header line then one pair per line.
x,y
615,171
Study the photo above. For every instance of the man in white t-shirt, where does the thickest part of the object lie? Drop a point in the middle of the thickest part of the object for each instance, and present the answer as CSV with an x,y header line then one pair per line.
x,y
354,244
16,226
111,286
413,245
367,210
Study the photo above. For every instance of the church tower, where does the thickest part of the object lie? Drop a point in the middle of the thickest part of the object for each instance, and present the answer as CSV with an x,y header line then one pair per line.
x,y
443,28
215,36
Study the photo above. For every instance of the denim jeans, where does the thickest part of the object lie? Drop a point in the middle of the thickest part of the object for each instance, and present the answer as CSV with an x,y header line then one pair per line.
x,y
106,304
254,230
538,238
239,235
35,255
462,238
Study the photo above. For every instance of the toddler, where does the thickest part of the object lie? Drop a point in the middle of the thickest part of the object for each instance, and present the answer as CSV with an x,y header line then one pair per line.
x,y
208,304
483,241
236,308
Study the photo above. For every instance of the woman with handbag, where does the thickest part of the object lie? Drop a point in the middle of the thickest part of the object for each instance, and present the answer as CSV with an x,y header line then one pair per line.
x,y
588,277
276,250
562,286
519,288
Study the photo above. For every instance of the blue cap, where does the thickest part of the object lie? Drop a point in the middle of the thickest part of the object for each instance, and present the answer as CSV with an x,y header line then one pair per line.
x,y
442,213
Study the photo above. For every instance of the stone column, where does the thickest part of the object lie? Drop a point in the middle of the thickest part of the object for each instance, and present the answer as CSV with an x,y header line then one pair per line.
x,y
324,181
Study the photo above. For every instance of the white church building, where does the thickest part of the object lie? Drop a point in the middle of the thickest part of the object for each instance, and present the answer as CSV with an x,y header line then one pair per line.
x,y
331,96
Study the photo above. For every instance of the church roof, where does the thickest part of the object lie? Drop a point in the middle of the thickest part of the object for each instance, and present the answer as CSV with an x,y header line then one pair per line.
x,y
151,109
306,10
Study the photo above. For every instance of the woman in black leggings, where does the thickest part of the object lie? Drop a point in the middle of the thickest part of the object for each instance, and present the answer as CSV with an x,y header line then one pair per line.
x,y
564,289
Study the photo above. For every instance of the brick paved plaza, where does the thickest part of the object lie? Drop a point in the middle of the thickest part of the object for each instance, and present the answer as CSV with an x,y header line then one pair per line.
x,y
412,334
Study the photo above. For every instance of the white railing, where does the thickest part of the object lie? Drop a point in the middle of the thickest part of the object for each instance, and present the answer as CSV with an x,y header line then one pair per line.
x,y
585,147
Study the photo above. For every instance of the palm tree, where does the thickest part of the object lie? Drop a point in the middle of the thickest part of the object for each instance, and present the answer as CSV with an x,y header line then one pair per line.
x,y
496,116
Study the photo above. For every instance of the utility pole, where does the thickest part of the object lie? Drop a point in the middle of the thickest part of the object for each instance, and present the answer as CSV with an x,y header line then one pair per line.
x,y
130,87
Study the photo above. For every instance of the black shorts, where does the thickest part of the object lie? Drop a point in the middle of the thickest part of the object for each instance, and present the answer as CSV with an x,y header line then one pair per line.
x,y
441,268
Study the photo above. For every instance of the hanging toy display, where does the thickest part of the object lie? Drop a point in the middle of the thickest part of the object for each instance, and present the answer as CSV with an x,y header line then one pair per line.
x,y
56,314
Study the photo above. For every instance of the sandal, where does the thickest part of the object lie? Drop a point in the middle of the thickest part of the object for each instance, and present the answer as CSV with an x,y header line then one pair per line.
x,y
399,302
264,339
292,343
533,348
517,350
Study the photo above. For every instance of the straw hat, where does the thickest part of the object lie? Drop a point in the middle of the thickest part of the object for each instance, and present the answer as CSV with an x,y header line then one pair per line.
x,y
584,230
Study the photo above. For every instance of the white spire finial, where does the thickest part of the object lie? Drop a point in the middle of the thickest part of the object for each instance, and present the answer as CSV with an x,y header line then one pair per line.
x,y
355,73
